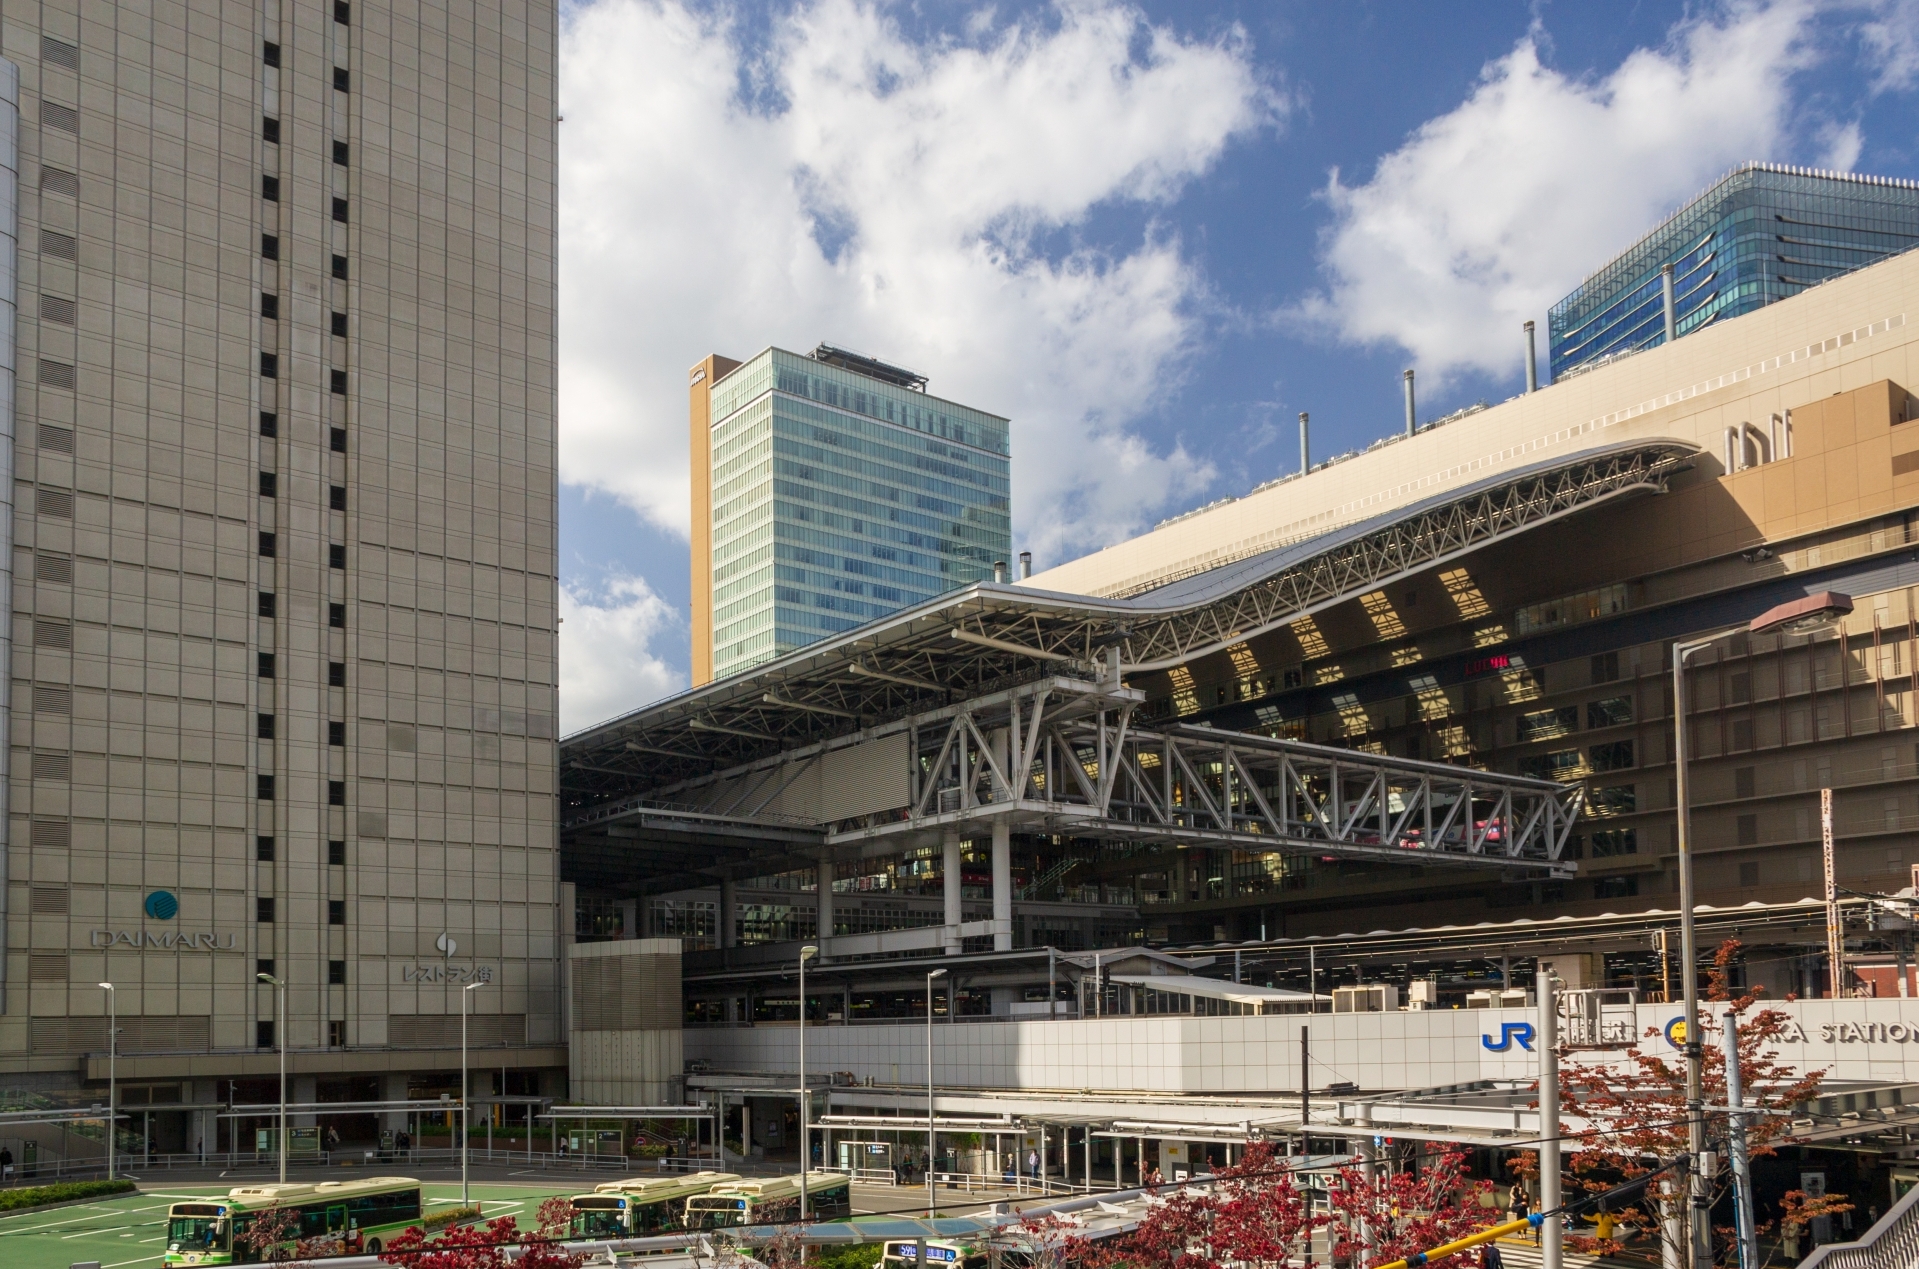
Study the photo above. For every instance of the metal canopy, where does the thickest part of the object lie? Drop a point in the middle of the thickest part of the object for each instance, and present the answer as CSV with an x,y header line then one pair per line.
x,y
988,637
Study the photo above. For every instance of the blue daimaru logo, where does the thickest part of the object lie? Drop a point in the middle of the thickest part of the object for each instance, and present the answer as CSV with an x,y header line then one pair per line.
x,y
1509,1032
161,905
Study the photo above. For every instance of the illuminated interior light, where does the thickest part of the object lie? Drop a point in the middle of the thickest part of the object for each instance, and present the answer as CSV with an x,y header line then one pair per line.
x,y
1465,593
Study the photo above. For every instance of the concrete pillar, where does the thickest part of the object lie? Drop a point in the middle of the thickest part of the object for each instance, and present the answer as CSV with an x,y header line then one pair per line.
x,y
1003,883
825,888
729,911
630,919
393,1089
950,868
302,1088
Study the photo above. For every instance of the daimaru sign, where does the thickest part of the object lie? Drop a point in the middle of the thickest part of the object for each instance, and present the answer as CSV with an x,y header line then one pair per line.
x,y
168,941
164,905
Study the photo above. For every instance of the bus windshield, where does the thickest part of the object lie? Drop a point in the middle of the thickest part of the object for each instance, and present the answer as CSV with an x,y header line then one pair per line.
x,y
196,1233
711,1213
597,1222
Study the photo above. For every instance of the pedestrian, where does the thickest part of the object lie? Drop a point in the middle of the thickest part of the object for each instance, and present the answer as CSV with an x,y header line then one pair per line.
x,y
1603,1226
200,1148
6,1165
1032,1163
1516,1203
1489,1256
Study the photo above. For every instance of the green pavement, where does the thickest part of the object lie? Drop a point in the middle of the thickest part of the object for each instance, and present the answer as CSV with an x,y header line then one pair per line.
x,y
127,1231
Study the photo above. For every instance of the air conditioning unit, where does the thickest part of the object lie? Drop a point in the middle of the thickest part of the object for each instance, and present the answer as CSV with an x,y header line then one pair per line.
x,y
1516,998
1366,998
1422,993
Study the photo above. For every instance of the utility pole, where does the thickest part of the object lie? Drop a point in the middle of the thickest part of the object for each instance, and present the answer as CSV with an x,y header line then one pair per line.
x,y
1552,1231
1305,1089
1835,926
1736,1145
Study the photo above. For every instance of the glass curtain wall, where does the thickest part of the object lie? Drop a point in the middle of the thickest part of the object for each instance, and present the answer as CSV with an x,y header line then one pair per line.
x,y
1760,234
838,499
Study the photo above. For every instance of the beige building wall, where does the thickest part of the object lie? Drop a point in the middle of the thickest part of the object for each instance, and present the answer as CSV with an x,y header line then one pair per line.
x,y
285,535
1842,335
699,413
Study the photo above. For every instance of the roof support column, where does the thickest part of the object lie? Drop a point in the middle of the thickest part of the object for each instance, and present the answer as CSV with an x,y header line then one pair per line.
x,y
729,908
1003,884
824,888
950,873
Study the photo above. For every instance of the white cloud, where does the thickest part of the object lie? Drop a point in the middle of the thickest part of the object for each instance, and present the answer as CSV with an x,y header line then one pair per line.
x,y
1891,36
693,222
606,666
1490,214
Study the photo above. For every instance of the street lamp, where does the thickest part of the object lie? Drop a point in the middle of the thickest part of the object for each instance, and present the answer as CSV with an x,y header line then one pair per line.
x,y
466,1119
931,1144
806,1134
113,1029
1800,616
280,1035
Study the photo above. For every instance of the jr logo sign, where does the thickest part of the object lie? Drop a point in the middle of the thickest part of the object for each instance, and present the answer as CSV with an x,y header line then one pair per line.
x,y
1509,1032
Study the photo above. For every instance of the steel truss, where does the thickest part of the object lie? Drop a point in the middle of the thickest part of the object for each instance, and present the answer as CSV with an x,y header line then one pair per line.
x,y
1064,756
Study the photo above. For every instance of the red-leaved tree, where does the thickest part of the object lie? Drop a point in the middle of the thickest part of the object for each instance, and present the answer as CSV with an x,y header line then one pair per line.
x,y
485,1246
1635,1116
1394,1214
270,1235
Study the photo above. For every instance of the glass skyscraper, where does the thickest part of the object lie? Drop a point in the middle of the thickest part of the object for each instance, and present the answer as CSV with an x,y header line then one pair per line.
x,y
836,491
1762,233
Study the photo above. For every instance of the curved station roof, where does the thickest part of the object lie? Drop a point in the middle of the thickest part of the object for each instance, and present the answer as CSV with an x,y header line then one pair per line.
x,y
988,636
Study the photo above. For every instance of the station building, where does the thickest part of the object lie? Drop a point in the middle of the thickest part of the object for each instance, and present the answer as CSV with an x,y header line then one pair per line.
x,y
1391,736
1496,593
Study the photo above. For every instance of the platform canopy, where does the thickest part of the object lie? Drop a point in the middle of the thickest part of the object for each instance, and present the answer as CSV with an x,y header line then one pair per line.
x,y
1217,989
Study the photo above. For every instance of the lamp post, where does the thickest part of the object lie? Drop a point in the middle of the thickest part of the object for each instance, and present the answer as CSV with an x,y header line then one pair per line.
x,y
465,1116
931,1143
280,1036
113,1045
806,1133
1800,616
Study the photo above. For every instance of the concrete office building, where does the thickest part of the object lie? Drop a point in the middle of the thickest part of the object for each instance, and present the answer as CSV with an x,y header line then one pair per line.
x,y
1761,233
829,490
283,570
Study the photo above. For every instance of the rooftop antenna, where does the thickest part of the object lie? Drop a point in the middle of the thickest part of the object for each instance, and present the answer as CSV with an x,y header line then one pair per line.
x,y
1411,424
1532,361
1305,449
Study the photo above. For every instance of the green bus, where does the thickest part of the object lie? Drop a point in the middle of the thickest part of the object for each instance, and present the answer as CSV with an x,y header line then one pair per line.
x,y
641,1205
355,1216
771,1202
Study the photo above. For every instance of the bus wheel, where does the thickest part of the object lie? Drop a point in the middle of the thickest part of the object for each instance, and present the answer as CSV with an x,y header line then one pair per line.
x,y
373,1246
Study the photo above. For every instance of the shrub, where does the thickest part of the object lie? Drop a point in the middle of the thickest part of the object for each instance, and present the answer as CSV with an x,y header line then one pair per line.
x,y
451,1216
855,1256
62,1192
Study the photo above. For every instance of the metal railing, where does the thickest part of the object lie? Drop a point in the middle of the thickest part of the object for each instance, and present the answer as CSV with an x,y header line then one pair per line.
x,y
874,1176
1892,1243
1018,1183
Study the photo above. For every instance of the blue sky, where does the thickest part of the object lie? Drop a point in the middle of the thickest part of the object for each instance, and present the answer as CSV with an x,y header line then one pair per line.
x,y
1150,234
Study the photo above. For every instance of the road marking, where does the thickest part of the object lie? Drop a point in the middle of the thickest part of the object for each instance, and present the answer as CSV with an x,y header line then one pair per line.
x,y
140,1260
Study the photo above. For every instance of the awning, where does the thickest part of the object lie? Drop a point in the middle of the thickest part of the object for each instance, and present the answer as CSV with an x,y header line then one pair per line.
x,y
1215,989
